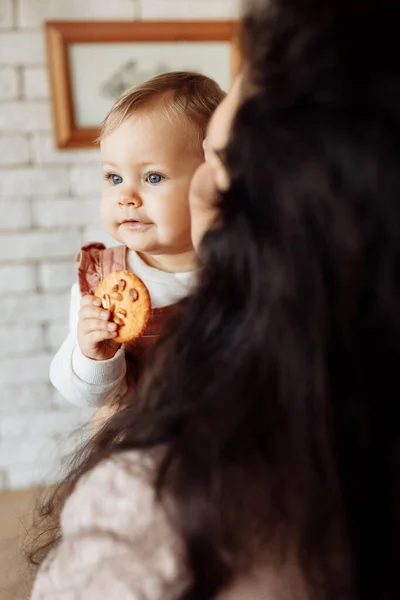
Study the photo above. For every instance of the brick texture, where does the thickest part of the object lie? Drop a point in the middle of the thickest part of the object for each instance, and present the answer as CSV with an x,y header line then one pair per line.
x,y
55,335
25,370
45,153
9,83
57,275
22,48
6,14
15,214
14,150
66,212
25,116
189,9
86,180
31,13
39,245
43,308
17,278
35,83
20,340
18,398
35,180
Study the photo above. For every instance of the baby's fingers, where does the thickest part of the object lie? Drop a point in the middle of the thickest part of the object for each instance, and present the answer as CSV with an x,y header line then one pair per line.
x,y
97,325
90,300
96,337
89,311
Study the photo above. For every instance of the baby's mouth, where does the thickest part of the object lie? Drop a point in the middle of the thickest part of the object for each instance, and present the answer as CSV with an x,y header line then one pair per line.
x,y
133,223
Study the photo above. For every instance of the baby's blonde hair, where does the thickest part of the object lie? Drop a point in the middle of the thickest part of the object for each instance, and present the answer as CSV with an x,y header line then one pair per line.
x,y
185,95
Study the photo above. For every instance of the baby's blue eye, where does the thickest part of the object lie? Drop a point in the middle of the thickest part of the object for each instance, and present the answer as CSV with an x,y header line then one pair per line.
x,y
116,179
154,178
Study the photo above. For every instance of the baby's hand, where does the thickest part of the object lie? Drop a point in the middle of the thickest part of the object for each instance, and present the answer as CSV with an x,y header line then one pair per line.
x,y
95,331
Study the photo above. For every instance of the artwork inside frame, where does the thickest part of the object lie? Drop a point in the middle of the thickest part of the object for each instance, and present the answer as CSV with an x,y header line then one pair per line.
x,y
92,63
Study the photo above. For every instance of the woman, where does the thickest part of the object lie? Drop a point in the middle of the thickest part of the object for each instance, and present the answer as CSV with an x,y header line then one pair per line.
x,y
261,458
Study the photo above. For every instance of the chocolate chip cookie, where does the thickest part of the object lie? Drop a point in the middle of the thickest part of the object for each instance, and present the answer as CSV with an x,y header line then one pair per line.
x,y
128,300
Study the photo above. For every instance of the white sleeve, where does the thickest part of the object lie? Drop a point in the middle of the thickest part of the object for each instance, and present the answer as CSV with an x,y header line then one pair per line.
x,y
79,379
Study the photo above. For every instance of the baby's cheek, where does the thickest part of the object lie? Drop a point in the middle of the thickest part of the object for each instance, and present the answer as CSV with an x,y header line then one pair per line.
x,y
106,214
175,221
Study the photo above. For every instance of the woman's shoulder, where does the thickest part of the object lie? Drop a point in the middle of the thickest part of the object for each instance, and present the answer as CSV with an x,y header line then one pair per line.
x,y
116,539
116,490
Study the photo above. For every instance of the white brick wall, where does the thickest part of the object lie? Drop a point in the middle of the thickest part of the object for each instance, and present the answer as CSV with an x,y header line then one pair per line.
x,y
25,116
35,180
31,13
85,180
98,234
17,399
12,454
55,334
35,473
50,422
65,212
44,153
14,150
35,83
39,245
57,275
17,278
6,14
22,48
15,214
189,9
48,208
20,339
31,308
9,83
27,370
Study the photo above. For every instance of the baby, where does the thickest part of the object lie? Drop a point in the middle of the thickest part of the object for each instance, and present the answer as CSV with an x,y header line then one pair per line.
x,y
151,144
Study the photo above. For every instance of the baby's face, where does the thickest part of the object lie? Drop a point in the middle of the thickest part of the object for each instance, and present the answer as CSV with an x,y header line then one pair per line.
x,y
148,163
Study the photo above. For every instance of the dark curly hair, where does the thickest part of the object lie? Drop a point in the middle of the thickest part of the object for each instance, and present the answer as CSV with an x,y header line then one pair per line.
x,y
275,390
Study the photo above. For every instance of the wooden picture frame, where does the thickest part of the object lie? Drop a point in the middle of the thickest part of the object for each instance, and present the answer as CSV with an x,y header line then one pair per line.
x,y
61,36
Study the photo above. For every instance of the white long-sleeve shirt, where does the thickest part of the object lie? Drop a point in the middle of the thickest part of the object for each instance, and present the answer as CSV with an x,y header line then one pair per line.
x,y
86,382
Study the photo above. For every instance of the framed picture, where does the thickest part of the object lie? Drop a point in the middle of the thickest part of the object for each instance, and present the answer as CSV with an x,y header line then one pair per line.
x,y
92,63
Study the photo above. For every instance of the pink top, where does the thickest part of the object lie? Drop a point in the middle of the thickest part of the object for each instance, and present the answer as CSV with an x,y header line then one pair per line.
x,y
117,544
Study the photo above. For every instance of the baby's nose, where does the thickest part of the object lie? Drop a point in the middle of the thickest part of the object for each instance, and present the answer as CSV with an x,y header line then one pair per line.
x,y
126,198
